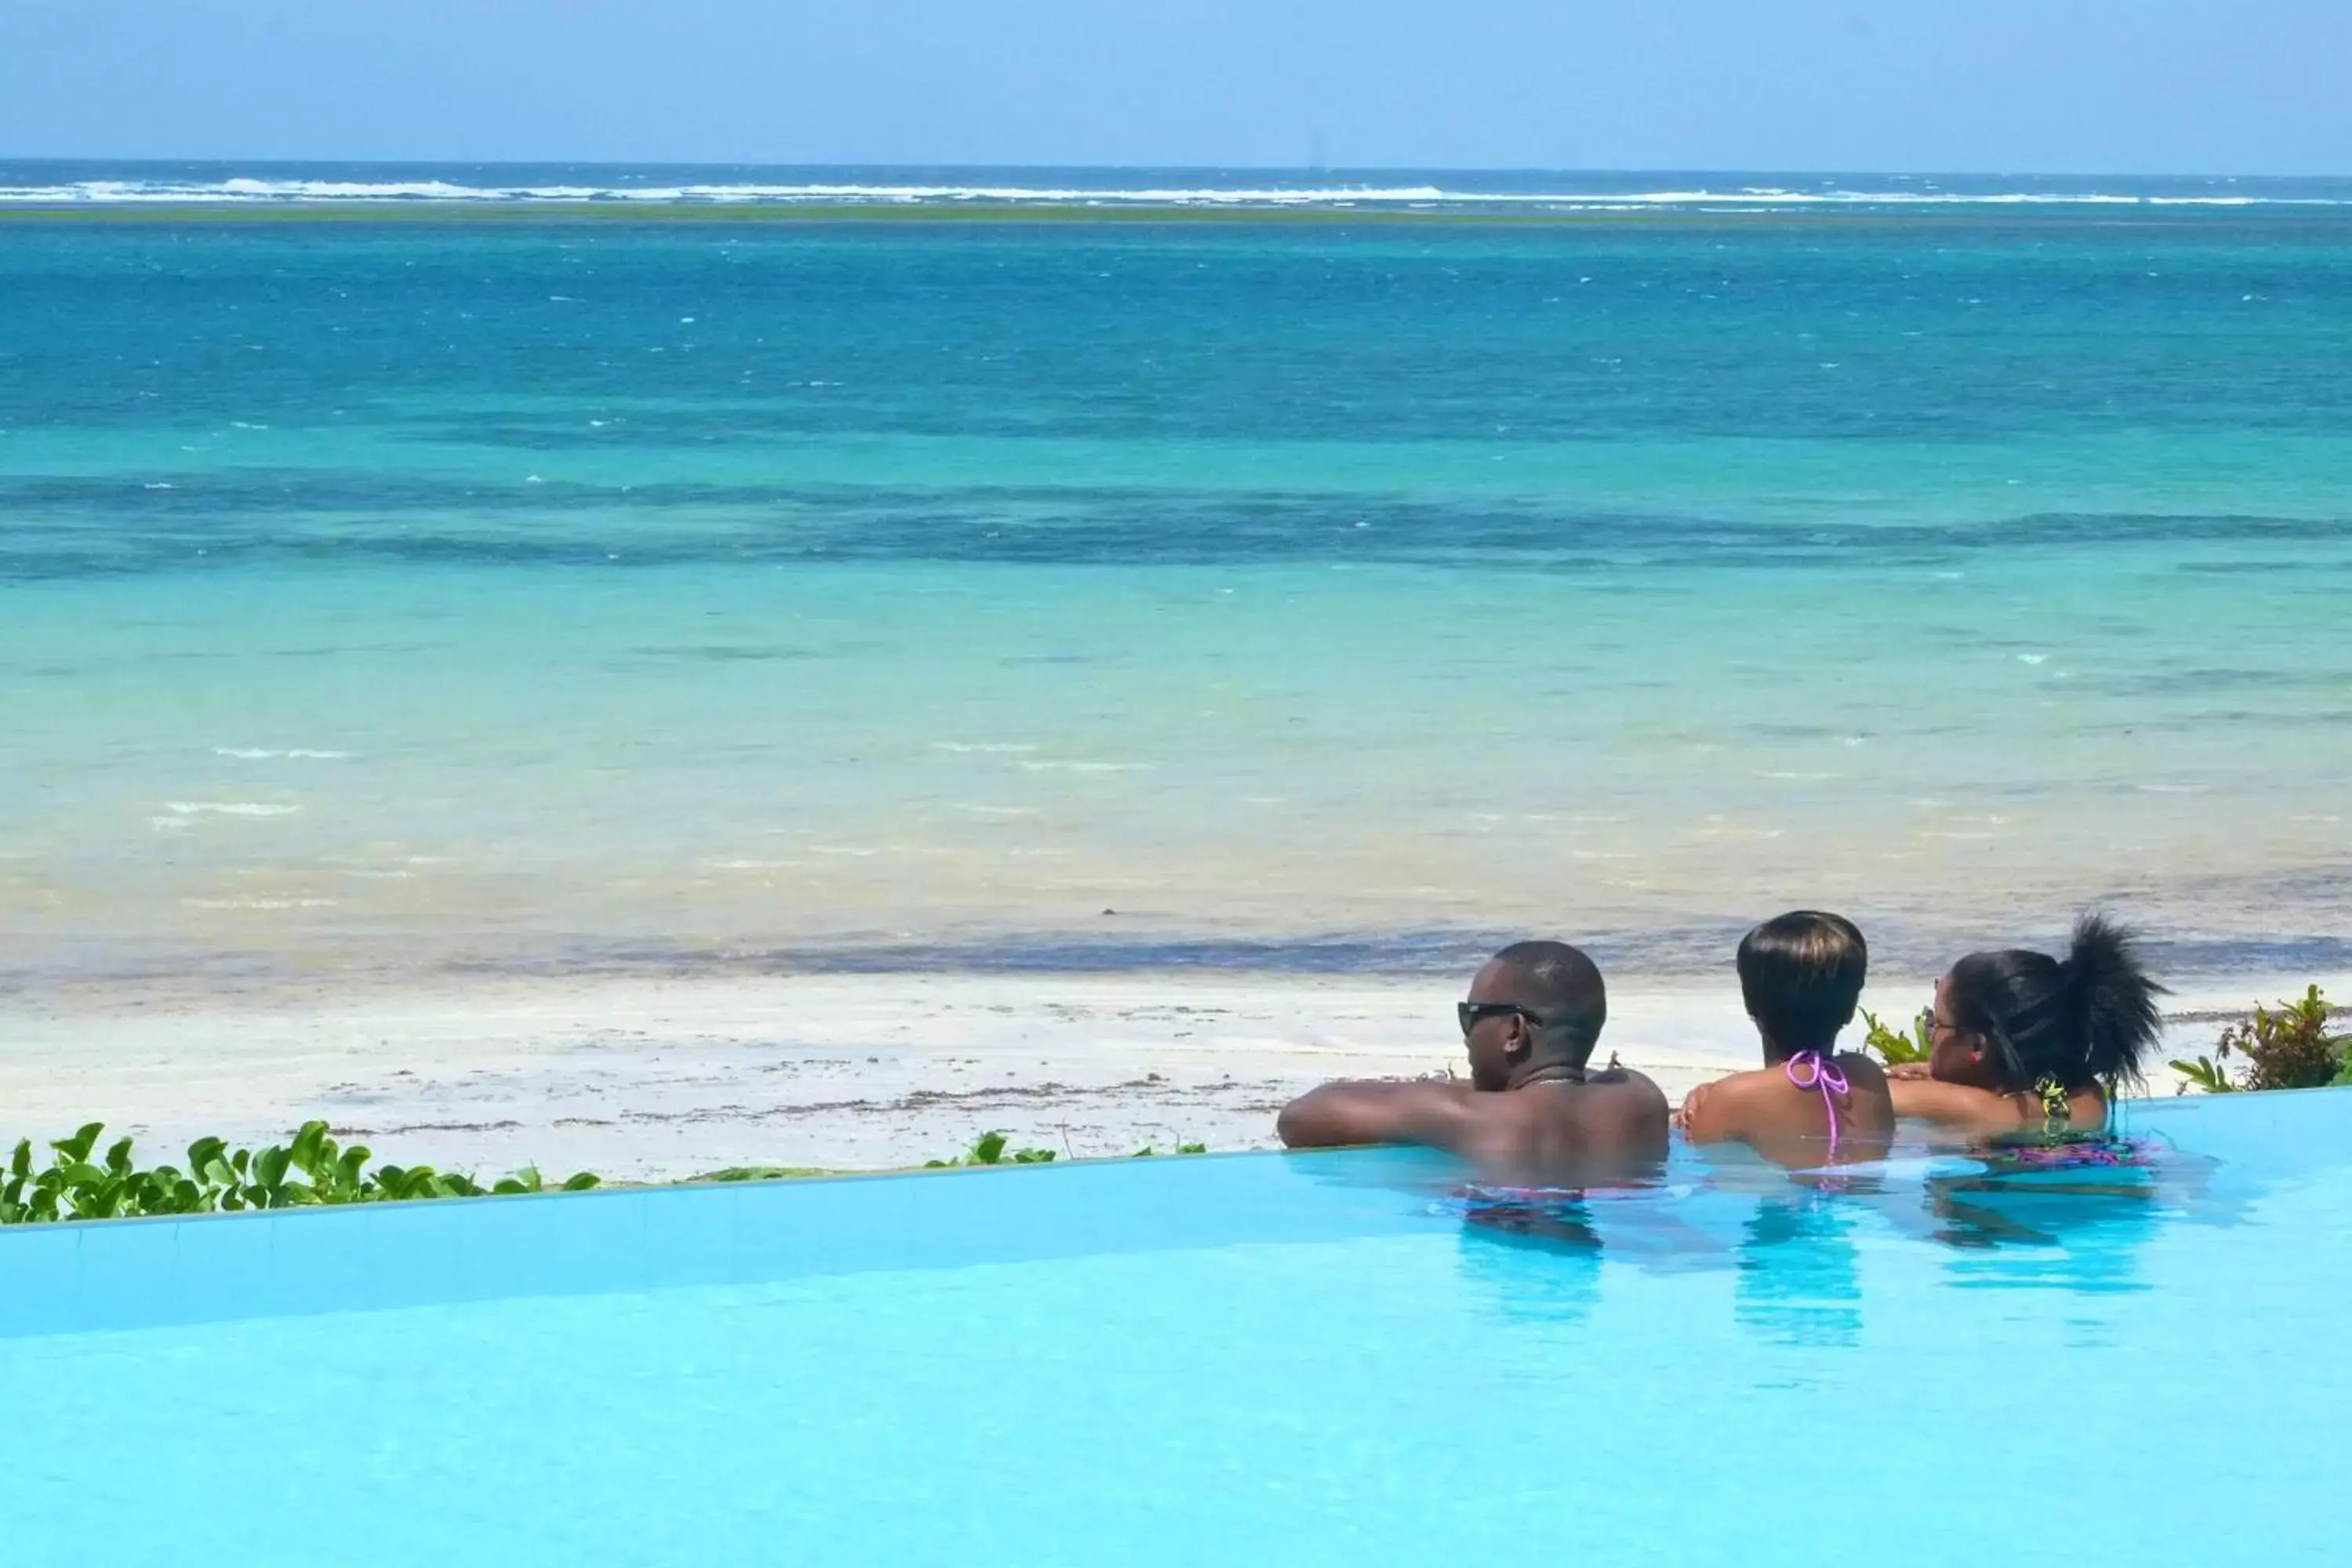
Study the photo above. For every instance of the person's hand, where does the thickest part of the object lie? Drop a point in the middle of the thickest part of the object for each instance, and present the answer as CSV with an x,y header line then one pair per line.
x,y
1911,1072
1690,1106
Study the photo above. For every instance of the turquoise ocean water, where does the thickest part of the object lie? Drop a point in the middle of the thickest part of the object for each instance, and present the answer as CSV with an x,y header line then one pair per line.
x,y
533,568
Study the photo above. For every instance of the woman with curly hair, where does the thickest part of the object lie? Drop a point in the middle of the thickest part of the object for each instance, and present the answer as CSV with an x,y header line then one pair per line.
x,y
2021,1042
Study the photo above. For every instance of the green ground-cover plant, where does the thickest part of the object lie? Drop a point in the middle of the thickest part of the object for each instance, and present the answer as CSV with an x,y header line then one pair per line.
x,y
1895,1049
992,1148
995,1149
2288,1047
2205,1075
988,1149
311,1169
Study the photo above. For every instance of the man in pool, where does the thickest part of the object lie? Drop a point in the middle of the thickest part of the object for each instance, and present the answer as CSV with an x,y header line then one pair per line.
x,y
1532,1112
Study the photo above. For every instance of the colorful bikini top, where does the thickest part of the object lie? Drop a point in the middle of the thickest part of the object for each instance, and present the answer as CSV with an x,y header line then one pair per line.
x,y
1810,1070
2057,1105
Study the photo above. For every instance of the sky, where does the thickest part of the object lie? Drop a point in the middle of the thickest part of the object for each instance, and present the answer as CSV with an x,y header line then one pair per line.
x,y
2188,86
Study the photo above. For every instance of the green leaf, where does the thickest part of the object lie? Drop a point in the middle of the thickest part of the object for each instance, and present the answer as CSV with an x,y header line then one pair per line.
x,y
307,1151
2204,1073
1894,1046
77,1147
580,1180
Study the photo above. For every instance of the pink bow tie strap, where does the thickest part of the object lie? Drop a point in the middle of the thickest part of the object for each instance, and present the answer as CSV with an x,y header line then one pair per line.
x,y
1810,1070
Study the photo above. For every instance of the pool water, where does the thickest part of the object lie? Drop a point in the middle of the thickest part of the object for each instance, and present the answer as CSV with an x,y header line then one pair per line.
x,y
1296,1360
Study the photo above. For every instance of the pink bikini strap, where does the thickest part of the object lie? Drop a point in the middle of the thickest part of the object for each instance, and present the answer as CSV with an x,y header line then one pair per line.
x,y
1810,1070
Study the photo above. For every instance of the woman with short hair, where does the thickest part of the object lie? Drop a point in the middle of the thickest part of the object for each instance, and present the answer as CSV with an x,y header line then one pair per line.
x,y
1810,1105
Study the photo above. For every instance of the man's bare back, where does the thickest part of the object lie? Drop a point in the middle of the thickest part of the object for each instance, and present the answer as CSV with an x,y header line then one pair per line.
x,y
1530,1115
1553,1134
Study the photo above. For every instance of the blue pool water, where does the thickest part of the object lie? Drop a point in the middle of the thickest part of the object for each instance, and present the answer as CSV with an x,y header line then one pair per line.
x,y
1222,1360
501,588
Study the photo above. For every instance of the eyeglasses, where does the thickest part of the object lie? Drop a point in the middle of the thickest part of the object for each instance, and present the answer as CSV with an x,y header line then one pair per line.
x,y
1469,1013
1929,1023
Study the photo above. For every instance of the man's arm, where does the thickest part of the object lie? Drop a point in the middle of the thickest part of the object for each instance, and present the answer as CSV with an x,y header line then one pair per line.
x,y
1345,1115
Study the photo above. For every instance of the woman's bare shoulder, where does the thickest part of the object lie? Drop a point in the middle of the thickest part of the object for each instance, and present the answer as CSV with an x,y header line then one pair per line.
x,y
1863,1076
1956,1104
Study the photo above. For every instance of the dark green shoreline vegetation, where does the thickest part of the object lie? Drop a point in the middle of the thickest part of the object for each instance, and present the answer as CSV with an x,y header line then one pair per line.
x,y
2289,1046
1891,1045
314,1171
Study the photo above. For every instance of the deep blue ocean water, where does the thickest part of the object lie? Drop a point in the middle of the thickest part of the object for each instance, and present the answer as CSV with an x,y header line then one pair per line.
x,y
1305,574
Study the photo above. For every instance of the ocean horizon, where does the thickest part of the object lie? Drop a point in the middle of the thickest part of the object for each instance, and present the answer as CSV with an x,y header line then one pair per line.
x,y
1624,557
286,183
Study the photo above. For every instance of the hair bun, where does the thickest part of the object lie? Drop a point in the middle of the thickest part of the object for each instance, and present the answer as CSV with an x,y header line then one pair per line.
x,y
2110,995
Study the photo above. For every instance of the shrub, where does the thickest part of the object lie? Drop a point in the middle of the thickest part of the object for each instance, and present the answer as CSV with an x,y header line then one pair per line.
x,y
312,1169
990,1149
1893,1048
2204,1074
2288,1048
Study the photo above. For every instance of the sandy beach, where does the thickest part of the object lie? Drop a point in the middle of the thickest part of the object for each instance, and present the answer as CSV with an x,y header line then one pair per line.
x,y
664,1079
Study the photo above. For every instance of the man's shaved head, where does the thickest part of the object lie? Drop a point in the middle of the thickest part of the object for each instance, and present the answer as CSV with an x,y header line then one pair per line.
x,y
1558,983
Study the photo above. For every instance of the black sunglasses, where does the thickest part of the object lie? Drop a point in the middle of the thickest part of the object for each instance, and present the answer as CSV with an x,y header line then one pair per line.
x,y
1469,1013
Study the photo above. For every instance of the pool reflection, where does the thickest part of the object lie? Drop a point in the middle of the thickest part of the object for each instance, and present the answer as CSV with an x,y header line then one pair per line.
x,y
1800,1246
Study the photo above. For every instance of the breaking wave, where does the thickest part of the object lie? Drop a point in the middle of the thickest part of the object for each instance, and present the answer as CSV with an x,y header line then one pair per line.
x,y
1567,193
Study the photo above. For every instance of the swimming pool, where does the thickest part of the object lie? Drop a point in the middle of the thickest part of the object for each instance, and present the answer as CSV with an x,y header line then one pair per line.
x,y
1256,1358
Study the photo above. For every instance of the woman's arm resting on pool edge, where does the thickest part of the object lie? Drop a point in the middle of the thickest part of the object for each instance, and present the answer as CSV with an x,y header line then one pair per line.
x,y
1345,1115
1952,1104
1714,1112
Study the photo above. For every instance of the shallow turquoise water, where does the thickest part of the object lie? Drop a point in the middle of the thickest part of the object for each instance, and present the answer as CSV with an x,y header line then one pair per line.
x,y
1253,1358
533,593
